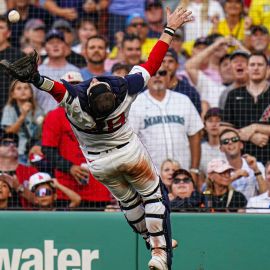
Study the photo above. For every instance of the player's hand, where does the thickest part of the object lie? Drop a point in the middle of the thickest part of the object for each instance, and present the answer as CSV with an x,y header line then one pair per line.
x,y
259,139
177,18
79,173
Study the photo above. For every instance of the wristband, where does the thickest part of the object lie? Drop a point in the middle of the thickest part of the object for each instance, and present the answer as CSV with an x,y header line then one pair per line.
x,y
257,173
169,31
194,170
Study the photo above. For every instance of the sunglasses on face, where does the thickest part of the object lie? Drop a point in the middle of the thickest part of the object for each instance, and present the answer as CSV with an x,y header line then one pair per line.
x,y
8,143
227,141
142,24
184,180
43,192
161,73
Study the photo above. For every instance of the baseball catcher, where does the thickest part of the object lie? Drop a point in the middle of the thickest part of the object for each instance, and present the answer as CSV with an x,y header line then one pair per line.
x,y
97,110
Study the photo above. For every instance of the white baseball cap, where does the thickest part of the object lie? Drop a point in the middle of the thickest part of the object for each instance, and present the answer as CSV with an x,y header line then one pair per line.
x,y
72,76
39,178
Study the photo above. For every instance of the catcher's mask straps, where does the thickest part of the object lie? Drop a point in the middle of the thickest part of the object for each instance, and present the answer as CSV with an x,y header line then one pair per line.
x,y
95,84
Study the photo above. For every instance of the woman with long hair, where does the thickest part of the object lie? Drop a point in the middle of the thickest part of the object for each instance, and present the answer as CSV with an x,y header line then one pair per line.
x,y
220,195
22,116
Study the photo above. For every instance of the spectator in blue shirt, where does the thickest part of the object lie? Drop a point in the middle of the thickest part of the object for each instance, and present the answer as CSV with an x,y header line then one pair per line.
x,y
170,63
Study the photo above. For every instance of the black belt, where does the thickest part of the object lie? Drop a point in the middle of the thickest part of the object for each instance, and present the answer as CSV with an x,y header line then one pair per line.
x,y
106,151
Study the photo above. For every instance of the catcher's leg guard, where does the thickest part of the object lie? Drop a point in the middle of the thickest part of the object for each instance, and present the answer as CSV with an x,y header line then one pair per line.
x,y
133,210
157,215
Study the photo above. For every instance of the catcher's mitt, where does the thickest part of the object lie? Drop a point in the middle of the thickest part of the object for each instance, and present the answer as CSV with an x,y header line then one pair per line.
x,y
23,69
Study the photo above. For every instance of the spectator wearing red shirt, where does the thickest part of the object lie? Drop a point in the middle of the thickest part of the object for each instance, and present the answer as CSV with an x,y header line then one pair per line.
x,y
9,165
62,149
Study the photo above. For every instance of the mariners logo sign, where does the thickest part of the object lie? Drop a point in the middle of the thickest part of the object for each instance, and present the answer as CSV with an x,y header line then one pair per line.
x,y
36,259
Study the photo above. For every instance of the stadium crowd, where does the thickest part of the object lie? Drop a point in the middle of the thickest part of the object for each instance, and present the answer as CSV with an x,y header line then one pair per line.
x,y
204,116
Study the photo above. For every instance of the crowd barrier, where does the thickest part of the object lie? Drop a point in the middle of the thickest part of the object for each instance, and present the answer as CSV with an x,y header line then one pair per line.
x,y
103,241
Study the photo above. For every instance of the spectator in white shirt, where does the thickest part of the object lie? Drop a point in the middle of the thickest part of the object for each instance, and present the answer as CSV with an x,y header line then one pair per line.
x,y
261,204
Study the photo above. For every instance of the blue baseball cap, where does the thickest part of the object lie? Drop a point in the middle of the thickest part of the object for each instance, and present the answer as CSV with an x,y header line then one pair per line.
x,y
133,16
54,33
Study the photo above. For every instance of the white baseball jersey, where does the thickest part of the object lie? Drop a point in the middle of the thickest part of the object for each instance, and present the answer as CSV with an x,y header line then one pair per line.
x,y
164,126
116,130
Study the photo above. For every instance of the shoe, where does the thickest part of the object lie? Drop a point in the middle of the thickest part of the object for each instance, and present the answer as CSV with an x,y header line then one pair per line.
x,y
158,260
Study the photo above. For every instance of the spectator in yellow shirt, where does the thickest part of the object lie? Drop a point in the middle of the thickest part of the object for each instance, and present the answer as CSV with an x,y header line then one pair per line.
x,y
259,12
233,24
136,24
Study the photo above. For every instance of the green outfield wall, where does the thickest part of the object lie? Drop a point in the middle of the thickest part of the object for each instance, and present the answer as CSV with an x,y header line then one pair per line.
x,y
103,241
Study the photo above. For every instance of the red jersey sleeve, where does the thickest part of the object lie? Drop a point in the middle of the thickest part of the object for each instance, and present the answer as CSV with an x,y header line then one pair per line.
x,y
156,57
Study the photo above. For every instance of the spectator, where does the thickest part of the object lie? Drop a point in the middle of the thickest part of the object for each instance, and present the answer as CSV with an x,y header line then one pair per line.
x,y
27,11
233,23
177,45
44,189
210,147
249,104
21,116
55,67
180,85
10,165
96,55
62,149
259,40
72,57
168,124
97,10
119,10
10,192
259,13
208,84
220,196
33,37
154,17
184,195
260,204
239,62
136,25
204,13
5,192
131,50
68,10
248,173
168,167
85,29
121,70
9,53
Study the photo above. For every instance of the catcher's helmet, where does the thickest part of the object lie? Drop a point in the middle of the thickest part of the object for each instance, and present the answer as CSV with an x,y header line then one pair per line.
x,y
101,99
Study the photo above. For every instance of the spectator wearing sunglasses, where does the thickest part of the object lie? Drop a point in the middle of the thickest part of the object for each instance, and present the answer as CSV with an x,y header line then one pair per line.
x,y
220,196
10,166
184,195
44,187
211,145
168,124
136,25
180,84
249,176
